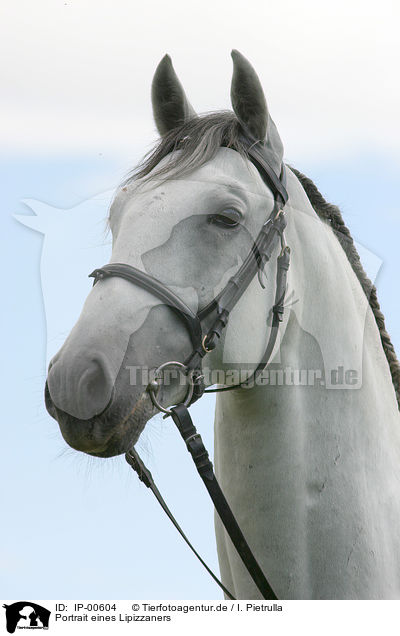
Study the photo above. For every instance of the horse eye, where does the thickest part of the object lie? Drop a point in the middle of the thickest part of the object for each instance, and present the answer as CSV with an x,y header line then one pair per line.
x,y
226,218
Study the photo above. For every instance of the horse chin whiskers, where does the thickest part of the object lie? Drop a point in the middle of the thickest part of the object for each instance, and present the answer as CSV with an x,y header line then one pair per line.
x,y
124,430
109,433
135,421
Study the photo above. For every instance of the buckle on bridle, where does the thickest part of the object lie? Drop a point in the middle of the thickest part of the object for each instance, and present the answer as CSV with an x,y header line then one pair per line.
x,y
154,386
204,345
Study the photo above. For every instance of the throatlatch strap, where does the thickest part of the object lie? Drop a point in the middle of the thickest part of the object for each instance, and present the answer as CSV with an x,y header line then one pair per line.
x,y
199,454
146,477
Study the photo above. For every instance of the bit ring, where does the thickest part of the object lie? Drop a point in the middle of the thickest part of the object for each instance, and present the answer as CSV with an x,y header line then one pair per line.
x,y
154,385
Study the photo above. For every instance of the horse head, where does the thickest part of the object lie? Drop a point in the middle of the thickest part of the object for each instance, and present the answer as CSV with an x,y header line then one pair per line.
x,y
188,218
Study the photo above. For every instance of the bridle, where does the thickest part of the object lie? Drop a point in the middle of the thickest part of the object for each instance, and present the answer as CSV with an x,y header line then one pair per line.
x,y
270,235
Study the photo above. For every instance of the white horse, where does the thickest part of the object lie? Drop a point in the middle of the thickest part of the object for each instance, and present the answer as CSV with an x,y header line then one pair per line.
x,y
309,457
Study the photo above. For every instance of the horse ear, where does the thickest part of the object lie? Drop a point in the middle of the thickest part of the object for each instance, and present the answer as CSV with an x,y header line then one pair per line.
x,y
250,106
248,98
170,104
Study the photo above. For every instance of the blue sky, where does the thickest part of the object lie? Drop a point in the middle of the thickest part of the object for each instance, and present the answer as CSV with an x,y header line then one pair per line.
x,y
77,119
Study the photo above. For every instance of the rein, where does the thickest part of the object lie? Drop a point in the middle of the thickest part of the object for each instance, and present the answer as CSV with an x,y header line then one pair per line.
x,y
271,234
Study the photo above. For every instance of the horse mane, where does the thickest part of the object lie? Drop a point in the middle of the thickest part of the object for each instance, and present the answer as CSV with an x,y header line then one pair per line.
x,y
332,215
198,141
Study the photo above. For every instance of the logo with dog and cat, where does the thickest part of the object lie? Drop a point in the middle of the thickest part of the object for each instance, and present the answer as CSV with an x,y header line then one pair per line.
x,y
26,615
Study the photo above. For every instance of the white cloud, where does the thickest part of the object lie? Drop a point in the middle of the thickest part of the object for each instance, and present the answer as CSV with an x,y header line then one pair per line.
x,y
76,75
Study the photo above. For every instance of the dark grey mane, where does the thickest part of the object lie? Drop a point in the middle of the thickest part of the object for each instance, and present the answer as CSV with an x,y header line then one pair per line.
x,y
332,215
199,140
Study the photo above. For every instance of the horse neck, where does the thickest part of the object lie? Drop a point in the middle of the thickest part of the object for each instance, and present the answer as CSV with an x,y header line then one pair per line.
x,y
331,343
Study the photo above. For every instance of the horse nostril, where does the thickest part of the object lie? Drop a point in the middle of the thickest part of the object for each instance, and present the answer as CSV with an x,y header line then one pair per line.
x,y
81,387
93,385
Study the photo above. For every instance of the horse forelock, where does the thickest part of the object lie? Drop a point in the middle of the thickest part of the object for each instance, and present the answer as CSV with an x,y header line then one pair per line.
x,y
197,140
